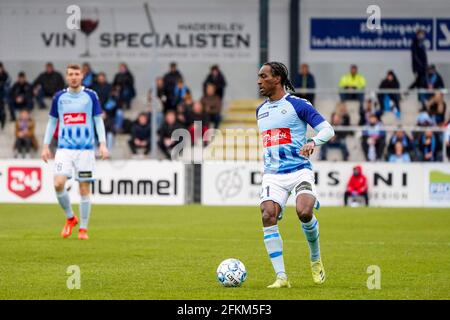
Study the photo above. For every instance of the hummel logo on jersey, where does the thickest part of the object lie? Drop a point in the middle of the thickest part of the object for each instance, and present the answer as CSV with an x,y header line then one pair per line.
x,y
75,118
275,137
274,106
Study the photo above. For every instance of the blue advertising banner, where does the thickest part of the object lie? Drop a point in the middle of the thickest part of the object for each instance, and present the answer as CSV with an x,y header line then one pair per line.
x,y
353,34
443,34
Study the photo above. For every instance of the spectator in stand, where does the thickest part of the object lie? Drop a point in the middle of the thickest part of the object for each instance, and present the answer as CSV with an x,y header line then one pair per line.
x,y
427,146
4,92
424,118
25,138
433,82
195,118
341,110
373,139
437,108
304,80
419,60
353,81
21,95
140,134
89,77
369,109
170,124
110,130
336,142
113,108
184,108
389,101
357,186
103,88
124,79
400,154
170,81
179,93
212,104
217,78
401,137
161,94
47,84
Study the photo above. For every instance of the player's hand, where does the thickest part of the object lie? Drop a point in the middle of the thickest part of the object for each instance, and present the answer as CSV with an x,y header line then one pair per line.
x,y
46,154
104,151
307,149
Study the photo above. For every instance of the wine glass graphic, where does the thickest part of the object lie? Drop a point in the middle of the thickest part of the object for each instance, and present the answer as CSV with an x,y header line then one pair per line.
x,y
88,24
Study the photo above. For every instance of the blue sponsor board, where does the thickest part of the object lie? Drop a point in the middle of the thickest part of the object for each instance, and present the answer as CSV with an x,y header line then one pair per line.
x,y
353,34
443,34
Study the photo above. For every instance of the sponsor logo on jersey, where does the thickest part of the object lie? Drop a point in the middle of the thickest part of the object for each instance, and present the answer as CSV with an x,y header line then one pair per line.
x,y
275,137
75,118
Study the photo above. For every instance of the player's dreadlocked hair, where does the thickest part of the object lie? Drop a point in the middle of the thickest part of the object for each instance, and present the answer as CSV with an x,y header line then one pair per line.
x,y
280,70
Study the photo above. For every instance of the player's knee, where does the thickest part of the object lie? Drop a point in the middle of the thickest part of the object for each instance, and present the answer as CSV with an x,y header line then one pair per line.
x,y
84,189
59,185
269,217
305,214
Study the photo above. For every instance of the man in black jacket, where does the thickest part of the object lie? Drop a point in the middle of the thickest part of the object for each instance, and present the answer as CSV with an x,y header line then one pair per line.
x,y
217,78
47,84
169,125
140,134
21,95
419,59
170,81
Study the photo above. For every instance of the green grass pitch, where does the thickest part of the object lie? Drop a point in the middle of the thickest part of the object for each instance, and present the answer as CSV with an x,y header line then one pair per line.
x,y
158,252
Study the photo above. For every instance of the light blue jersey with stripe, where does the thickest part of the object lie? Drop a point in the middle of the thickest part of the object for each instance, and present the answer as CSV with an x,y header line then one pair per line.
x,y
283,125
75,113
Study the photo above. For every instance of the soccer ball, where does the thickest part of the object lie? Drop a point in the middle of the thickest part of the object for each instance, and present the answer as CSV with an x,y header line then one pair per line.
x,y
231,273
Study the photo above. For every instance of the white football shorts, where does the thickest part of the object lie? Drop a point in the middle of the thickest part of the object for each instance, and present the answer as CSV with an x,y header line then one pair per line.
x,y
80,162
278,187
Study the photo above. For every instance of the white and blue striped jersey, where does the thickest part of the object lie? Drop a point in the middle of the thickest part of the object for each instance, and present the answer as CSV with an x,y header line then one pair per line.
x,y
282,125
75,113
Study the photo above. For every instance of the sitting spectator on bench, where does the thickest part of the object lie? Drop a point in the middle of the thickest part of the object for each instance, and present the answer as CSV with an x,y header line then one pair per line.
x,y
373,139
437,108
140,134
217,78
400,154
47,84
197,122
389,101
21,95
357,186
212,104
103,88
427,146
125,81
404,139
169,125
25,138
89,76
337,141
433,82
351,82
